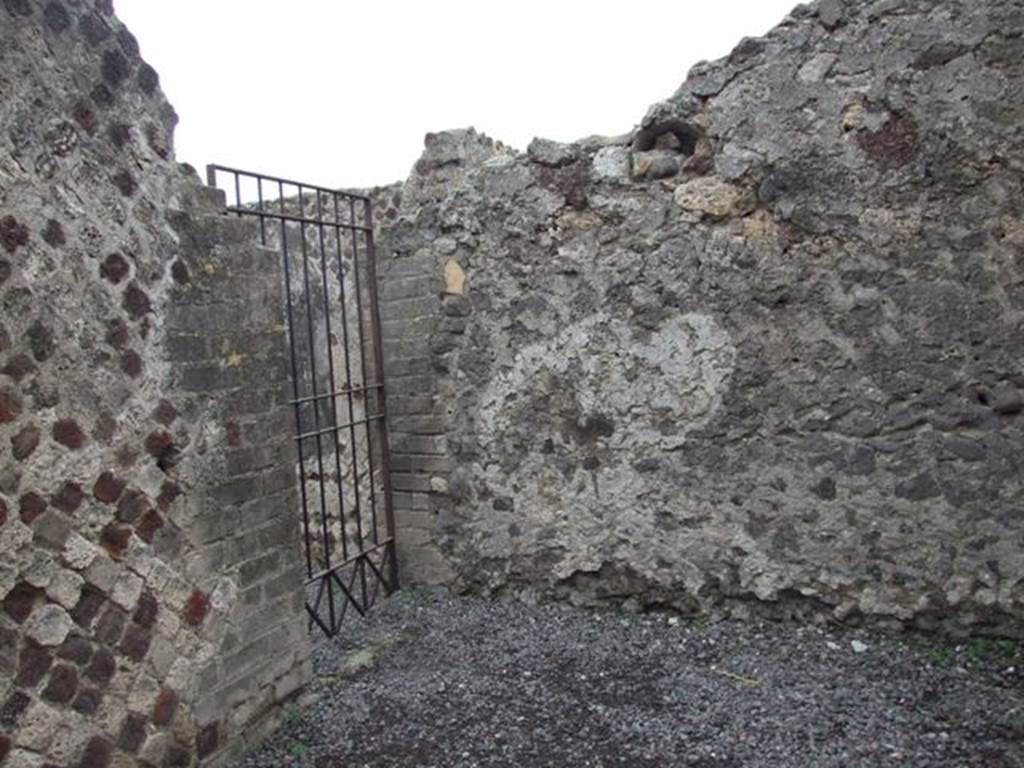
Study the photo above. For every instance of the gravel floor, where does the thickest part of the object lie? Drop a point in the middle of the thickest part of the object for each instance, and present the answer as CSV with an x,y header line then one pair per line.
x,y
434,680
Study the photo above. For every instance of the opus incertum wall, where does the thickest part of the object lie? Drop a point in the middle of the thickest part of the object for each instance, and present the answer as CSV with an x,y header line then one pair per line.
x,y
761,355
150,578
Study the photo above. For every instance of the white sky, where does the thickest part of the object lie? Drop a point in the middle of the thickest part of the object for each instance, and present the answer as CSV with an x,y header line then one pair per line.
x,y
341,93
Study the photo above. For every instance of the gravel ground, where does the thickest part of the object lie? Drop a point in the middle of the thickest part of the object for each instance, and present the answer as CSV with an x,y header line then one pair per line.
x,y
436,680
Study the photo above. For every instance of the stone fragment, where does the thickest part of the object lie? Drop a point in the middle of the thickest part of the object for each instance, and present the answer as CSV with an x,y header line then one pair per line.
x,y
165,706
53,234
115,539
854,117
1007,400
830,13
68,498
88,606
25,442
40,724
79,552
713,198
20,365
10,406
13,234
110,626
816,68
41,341
918,488
655,164
114,268
146,611
131,363
31,506
825,489
127,590
62,685
132,505
33,663
551,153
51,530
165,413
612,164
149,525
87,700
98,753
65,588
108,488
207,740
135,643
102,666
75,648
136,302
20,600
69,434
196,608
49,625
13,708
454,278
894,144
133,733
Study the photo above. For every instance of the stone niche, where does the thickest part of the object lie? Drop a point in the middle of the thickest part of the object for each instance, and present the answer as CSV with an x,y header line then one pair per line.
x,y
150,578
760,356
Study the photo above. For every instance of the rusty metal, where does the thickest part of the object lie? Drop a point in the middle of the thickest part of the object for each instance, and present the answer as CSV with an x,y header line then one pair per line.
x,y
325,240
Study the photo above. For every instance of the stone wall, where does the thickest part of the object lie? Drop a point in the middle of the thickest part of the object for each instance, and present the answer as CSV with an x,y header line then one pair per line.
x,y
761,355
150,578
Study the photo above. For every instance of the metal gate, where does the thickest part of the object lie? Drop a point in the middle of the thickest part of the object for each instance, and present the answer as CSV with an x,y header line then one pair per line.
x,y
325,240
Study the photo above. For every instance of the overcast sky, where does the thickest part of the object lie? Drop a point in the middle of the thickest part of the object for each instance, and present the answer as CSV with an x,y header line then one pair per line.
x,y
341,93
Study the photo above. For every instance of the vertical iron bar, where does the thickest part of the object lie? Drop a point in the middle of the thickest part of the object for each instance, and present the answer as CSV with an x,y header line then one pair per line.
x,y
330,369
315,402
295,384
362,370
378,354
362,366
259,197
348,376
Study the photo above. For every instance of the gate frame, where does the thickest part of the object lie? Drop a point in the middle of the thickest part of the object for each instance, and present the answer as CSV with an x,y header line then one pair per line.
x,y
327,576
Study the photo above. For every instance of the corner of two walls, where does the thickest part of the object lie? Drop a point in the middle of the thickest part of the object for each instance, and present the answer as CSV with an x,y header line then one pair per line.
x,y
152,599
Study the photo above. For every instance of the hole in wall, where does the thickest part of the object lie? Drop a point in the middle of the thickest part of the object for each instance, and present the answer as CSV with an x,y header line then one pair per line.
x,y
672,135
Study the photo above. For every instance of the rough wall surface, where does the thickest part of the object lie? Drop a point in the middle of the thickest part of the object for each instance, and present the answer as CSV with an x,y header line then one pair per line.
x,y
762,354
151,598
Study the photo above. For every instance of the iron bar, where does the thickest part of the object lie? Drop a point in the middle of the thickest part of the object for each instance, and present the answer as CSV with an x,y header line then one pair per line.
x,y
343,301
362,365
378,354
328,430
324,517
243,211
330,368
341,391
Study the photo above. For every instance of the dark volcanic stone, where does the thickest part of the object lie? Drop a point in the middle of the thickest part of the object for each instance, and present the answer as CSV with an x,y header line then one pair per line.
x,y
133,733
62,685
33,663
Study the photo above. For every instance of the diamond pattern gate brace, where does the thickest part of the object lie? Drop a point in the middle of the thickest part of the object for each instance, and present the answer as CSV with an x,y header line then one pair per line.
x,y
325,241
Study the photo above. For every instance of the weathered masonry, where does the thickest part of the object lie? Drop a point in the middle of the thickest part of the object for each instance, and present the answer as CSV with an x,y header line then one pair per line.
x,y
151,581
761,355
